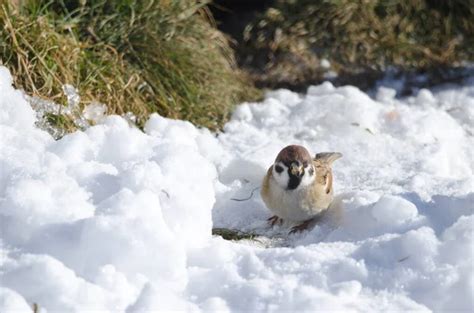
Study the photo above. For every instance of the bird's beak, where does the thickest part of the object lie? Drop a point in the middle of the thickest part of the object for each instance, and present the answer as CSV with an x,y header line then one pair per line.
x,y
296,169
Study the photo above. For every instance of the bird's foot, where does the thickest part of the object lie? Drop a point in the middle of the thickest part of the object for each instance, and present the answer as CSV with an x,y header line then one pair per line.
x,y
274,220
301,227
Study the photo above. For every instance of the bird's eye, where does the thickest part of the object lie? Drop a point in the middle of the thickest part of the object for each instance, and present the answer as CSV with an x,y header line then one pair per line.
x,y
278,168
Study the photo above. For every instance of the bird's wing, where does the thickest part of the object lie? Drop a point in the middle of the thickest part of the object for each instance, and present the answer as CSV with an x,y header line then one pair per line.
x,y
322,163
323,175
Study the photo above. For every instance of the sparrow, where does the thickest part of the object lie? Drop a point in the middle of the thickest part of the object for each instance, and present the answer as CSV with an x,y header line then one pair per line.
x,y
297,187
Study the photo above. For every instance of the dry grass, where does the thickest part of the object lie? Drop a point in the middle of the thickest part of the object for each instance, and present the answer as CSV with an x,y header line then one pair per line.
x,y
145,56
291,38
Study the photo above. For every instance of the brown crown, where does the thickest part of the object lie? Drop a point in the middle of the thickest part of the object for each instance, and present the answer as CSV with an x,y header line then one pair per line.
x,y
294,153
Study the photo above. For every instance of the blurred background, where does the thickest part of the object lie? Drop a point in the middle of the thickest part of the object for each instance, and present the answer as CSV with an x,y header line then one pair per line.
x,y
195,60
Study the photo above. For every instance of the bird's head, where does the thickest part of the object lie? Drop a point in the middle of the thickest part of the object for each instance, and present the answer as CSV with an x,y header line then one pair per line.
x,y
293,168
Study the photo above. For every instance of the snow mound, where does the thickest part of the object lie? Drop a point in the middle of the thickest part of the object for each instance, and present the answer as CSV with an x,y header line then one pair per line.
x,y
113,219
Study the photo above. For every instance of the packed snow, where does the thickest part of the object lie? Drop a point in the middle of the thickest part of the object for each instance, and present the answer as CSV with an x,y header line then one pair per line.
x,y
115,219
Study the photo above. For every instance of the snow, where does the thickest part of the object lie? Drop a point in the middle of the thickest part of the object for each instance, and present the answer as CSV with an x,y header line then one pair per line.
x,y
114,219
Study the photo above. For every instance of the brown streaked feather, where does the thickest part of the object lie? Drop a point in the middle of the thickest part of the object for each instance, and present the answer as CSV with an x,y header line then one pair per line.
x,y
321,194
323,172
323,161
322,188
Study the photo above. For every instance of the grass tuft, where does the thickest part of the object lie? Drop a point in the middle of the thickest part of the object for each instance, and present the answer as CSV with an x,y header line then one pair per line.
x,y
287,42
133,56
231,234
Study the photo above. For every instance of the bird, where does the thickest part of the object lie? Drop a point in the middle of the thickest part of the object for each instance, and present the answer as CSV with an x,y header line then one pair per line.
x,y
297,187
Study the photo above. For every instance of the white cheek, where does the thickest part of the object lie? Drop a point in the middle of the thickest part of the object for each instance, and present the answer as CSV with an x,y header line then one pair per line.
x,y
307,179
281,178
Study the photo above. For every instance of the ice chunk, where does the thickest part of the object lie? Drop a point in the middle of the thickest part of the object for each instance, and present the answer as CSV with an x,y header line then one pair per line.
x,y
95,112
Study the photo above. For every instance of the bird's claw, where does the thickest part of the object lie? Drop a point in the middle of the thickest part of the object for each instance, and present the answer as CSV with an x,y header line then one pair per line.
x,y
301,227
275,220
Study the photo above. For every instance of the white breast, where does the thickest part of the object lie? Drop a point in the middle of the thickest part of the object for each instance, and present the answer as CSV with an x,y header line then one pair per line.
x,y
293,205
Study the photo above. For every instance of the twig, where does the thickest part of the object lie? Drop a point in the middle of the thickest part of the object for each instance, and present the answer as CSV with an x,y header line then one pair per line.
x,y
250,197
404,258
166,193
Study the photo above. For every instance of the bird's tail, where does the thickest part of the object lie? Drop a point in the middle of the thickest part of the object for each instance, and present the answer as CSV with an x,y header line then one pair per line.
x,y
327,157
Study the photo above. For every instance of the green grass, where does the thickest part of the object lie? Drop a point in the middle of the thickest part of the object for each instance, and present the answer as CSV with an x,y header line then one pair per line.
x,y
231,234
133,56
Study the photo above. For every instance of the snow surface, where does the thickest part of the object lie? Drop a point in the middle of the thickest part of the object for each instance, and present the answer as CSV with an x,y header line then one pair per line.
x,y
113,219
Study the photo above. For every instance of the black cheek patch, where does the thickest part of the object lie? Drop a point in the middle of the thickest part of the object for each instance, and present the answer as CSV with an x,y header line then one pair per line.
x,y
278,169
311,171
